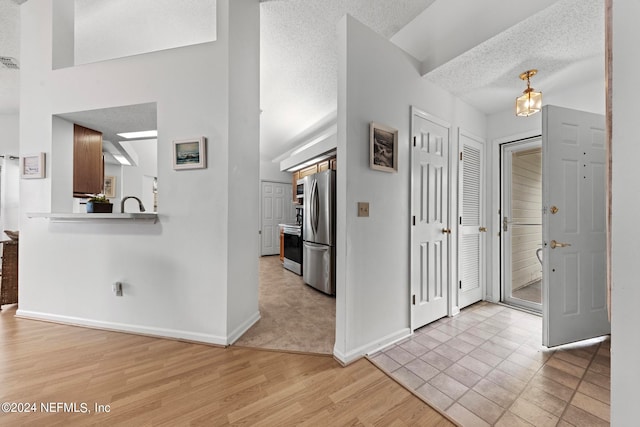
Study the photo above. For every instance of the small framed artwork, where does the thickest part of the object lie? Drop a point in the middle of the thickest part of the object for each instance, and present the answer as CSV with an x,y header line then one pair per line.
x,y
383,150
190,153
109,186
32,166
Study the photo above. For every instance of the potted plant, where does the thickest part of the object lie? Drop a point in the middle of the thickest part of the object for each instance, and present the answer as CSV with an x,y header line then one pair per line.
x,y
99,204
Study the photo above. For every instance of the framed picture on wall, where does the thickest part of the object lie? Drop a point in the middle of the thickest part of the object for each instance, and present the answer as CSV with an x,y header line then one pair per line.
x,y
383,148
32,166
190,153
109,186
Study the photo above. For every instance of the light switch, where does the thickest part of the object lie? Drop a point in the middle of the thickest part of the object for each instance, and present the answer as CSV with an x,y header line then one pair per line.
x,y
363,208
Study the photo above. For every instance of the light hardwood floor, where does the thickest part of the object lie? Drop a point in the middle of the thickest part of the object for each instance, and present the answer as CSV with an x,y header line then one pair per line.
x,y
151,381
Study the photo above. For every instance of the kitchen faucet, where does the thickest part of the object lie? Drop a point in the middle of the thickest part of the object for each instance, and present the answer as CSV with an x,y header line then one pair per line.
x,y
131,197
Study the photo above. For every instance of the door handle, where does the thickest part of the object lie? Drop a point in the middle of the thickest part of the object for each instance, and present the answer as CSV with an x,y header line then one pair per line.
x,y
316,202
555,244
446,231
482,229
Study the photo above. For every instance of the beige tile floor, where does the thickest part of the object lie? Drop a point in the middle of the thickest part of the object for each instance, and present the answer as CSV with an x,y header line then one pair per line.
x,y
294,316
486,366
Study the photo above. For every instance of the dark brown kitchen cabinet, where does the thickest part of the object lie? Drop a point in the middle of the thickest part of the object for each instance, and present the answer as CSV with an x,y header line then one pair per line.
x,y
88,162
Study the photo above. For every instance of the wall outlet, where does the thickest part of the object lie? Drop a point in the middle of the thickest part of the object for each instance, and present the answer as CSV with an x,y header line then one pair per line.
x,y
117,289
363,208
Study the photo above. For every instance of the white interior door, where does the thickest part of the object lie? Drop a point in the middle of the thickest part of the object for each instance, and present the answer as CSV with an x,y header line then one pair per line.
x,y
471,223
573,226
277,208
430,231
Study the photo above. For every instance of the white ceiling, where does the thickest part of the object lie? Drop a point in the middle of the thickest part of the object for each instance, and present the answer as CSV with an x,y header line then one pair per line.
x,y
474,49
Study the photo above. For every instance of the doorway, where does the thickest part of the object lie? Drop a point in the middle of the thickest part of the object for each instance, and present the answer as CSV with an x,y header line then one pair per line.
x,y
521,223
293,316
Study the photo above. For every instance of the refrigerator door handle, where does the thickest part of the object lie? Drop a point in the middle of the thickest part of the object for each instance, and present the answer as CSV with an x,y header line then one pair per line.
x,y
313,214
316,206
310,209
316,247
311,205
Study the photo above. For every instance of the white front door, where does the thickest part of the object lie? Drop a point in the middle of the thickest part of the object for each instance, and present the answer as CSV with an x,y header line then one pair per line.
x,y
573,226
471,223
277,208
430,230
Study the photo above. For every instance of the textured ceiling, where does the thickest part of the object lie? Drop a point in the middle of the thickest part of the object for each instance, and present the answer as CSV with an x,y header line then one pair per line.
x,y
299,60
111,121
565,42
299,53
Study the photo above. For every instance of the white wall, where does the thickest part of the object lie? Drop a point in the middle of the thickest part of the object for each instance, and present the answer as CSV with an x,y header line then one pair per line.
x,y
625,340
176,273
9,192
378,82
270,171
243,172
118,28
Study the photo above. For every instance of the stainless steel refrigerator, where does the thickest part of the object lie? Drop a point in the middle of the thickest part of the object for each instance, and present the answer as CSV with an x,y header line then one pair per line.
x,y
319,231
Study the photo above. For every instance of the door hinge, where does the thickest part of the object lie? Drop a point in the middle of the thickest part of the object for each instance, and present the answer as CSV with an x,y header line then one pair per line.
x,y
414,220
460,220
460,284
461,156
414,299
414,141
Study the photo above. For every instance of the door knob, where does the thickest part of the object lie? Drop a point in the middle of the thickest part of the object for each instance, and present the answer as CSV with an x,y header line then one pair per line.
x,y
483,229
446,231
555,244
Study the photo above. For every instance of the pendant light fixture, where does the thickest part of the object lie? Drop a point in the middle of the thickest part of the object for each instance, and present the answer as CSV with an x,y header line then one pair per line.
x,y
530,102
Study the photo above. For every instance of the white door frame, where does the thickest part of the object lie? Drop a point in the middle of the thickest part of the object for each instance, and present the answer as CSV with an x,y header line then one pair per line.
x,y
492,292
505,251
452,304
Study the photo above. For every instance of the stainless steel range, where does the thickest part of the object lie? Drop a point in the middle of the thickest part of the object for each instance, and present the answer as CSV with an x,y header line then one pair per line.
x,y
293,247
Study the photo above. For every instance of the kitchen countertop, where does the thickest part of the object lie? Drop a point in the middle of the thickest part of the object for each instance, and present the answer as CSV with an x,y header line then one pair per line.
x,y
86,217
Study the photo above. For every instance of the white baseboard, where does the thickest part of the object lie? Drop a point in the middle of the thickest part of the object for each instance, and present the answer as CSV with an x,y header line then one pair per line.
x,y
123,327
244,327
367,349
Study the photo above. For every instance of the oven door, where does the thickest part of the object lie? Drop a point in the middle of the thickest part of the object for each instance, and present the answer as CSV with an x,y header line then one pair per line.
x,y
293,249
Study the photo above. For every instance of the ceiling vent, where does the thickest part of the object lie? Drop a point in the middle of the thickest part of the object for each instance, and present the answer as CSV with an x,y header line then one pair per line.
x,y
10,63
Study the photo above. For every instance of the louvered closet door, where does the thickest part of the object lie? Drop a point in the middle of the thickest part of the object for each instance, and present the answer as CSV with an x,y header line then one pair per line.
x,y
471,224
